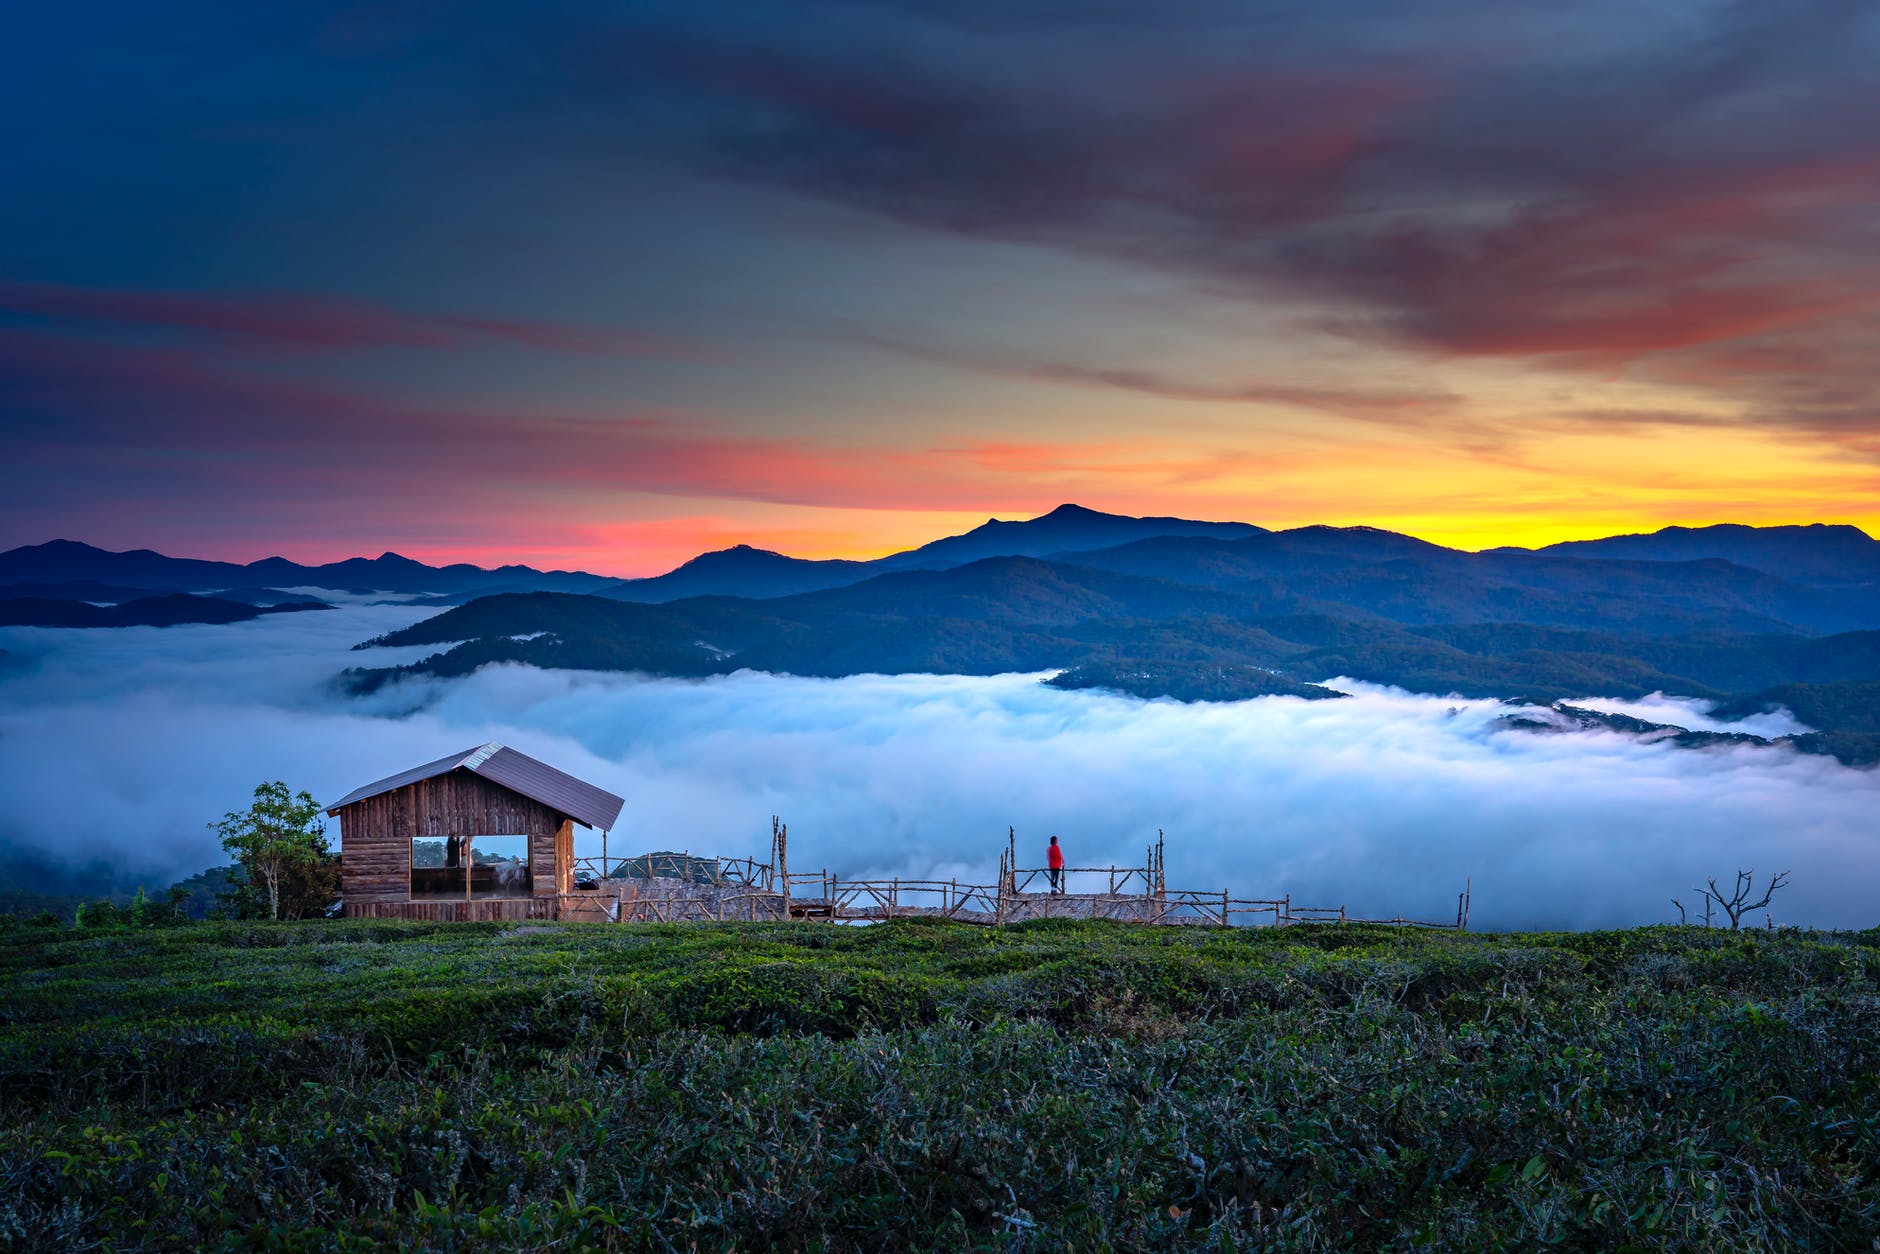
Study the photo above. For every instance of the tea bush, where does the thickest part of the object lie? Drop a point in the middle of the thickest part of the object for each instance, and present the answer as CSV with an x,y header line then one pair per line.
x,y
362,1084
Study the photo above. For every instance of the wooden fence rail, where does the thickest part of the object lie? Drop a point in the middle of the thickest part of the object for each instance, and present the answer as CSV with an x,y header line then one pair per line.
x,y
827,897
728,889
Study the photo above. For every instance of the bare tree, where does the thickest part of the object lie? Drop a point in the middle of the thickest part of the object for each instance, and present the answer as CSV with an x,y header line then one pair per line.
x,y
1738,903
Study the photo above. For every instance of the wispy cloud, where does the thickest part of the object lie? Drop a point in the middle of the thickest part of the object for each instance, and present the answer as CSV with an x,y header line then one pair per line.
x,y
1404,405
498,271
296,322
1589,187
243,439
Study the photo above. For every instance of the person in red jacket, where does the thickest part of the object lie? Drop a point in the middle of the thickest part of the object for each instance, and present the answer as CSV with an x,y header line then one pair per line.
x,y
1054,866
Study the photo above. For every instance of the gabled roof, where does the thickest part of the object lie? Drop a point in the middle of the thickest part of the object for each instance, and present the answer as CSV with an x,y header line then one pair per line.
x,y
538,781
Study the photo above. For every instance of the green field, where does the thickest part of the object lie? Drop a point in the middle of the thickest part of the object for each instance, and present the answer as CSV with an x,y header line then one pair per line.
x,y
925,1085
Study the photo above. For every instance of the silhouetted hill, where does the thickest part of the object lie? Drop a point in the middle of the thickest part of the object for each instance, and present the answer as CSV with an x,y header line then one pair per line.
x,y
61,561
171,610
1156,606
743,571
1362,569
1065,529
740,571
74,590
1275,612
66,561
1819,554
1020,589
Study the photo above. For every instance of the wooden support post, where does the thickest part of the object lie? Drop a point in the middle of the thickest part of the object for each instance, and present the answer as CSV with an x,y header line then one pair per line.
x,y
780,854
1005,885
1468,899
1005,876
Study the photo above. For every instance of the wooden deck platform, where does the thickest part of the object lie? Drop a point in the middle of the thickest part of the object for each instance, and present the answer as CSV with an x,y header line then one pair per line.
x,y
743,889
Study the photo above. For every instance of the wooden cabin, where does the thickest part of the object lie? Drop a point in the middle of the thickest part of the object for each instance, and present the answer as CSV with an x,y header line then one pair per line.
x,y
484,834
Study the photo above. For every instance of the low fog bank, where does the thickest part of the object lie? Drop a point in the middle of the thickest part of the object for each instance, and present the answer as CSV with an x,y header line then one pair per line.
x,y
1694,715
124,744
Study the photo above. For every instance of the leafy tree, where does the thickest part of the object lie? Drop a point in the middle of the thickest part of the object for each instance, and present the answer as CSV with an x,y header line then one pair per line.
x,y
207,894
279,847
166,911
98,915
143,912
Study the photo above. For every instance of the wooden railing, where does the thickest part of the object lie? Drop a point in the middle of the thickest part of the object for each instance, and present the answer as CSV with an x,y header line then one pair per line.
x,y
1121,879
727,908
686,866
746,889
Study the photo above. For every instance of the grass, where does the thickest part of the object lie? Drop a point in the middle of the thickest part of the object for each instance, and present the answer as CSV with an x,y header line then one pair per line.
x,y
924,1085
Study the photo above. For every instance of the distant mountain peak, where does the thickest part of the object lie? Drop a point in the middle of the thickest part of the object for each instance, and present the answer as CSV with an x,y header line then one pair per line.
x,y
1068,512
737,552
742,570
1068,528
1820,554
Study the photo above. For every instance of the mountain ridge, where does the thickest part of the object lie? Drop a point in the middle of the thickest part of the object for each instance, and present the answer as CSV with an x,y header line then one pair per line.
x,y
1066,528
1276,613
1821,555
147,572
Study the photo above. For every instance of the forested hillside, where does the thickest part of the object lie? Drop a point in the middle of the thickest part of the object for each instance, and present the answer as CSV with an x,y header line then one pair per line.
x,y
1201,617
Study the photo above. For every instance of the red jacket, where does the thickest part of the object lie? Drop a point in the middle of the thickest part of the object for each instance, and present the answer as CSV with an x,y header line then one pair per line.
x,y
1054,857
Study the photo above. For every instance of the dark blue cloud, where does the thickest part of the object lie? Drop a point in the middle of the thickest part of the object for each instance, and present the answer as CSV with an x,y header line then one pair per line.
x,y
1678,192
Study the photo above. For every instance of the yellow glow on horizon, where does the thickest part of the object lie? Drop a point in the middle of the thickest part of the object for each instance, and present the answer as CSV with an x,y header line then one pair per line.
x,y
1473,481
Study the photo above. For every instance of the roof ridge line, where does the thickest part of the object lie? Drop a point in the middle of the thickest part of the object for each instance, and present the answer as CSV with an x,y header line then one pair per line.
x,y
479,756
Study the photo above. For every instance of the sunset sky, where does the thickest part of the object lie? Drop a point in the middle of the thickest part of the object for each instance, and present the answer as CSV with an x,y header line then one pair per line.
x,y
605,285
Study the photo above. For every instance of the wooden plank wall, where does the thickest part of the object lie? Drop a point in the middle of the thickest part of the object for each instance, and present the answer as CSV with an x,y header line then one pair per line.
x,y
375,834
494,910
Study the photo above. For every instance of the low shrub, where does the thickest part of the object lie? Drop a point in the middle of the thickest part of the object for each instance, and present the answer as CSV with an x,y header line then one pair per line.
x,y
363,1084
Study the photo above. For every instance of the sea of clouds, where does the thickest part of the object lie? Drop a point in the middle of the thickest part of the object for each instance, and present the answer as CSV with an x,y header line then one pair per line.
x,y
118,747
